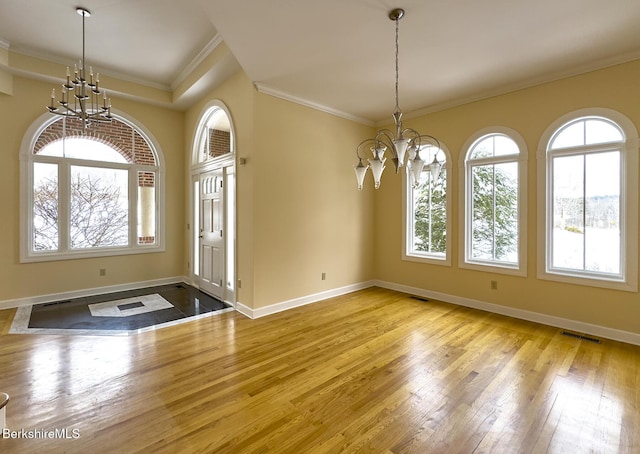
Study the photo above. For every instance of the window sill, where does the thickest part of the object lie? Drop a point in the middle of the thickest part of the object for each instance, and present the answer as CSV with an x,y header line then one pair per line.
x,y
57,256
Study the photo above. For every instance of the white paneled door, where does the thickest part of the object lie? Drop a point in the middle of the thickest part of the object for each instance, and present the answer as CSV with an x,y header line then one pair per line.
x,y
211,237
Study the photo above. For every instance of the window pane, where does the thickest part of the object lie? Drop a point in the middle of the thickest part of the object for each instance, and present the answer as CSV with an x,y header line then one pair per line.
x,y
81,148
45,207
600,131
482,212
482,149
570,136
99,214
495,212
602,233
503,146
430,214
568,212
146,208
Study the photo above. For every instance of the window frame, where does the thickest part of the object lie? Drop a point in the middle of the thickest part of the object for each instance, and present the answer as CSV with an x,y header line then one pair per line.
x,y
408,215
64,252
628,150
519,268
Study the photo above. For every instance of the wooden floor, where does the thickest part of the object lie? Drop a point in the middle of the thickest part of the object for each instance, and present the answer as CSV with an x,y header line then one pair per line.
x,y
373,371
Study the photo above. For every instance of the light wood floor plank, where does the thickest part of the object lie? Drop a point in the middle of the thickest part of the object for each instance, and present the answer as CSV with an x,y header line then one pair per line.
x,y
372,371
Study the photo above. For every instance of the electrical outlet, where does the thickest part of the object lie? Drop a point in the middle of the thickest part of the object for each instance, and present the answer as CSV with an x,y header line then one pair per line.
x,y
239,283
324,276
494,285
103,271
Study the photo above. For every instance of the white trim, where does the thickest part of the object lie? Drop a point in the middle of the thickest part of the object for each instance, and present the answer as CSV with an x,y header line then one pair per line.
x,y
550,320
517,269
204,53
264,89
51,297
302,301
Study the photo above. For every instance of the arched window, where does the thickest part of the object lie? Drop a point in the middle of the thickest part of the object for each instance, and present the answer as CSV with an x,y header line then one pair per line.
x,y
89,193
494,196
214,136
427,208
590,214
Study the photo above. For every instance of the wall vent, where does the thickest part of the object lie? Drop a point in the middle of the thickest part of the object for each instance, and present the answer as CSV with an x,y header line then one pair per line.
x,y
582,337
55,303
420,298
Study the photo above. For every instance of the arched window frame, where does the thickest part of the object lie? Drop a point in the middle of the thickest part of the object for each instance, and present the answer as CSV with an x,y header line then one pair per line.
x,y
200,136
628,279
27,160
518,268
408,252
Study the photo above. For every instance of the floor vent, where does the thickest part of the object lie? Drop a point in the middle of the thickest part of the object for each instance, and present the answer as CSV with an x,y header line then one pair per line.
x,y
581,336
55,303
180,286
420,298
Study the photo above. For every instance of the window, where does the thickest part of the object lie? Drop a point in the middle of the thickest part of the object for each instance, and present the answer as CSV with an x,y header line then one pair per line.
x,y
494,174
88,194
590,178
427,204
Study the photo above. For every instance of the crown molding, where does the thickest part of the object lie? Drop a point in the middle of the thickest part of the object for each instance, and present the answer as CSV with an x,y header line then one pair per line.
x,y
264,89
204,53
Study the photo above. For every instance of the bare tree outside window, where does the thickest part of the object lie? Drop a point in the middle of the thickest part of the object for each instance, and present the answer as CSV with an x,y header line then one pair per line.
x,y
98,216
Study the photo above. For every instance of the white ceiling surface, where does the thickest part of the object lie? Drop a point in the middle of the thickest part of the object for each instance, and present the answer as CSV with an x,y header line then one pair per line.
x,y
339,54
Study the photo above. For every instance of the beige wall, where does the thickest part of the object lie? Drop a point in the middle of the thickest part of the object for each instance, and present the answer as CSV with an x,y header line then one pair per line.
x,y
529,112
19,280
309,217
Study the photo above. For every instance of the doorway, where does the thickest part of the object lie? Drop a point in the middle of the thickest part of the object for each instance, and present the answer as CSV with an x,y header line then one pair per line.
x,y
213,195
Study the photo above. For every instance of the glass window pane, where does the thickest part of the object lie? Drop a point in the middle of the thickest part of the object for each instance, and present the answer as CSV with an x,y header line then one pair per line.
x,y
146,208
570,136
506,212
99,214
430,215
482,212
602,232
45,207
482,149
495,212
568,210
600,131
81,148
505,146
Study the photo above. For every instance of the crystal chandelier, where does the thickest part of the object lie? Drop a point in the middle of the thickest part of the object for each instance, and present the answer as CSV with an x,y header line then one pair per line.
x,y
80,95
405,143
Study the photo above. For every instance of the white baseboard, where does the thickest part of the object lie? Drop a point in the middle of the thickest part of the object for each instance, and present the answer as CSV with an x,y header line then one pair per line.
x,y
558,322
302,301
9,304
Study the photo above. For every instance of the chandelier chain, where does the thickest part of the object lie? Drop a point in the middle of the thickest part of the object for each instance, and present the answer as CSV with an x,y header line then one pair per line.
x,y
397,66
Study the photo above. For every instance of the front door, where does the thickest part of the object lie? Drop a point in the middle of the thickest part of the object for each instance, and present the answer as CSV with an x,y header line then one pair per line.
x,y
211,237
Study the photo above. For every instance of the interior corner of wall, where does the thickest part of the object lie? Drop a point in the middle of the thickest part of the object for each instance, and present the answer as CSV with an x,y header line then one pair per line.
x,y
6,82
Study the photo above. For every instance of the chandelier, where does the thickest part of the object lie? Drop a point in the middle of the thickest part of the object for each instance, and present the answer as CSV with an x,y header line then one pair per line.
x,y
80,95
405,144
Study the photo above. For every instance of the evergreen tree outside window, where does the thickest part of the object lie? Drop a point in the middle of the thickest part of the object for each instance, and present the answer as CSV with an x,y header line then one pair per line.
x,y
427,207
494,174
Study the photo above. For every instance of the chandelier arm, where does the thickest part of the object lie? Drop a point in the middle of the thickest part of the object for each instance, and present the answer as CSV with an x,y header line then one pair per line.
x,y
361,144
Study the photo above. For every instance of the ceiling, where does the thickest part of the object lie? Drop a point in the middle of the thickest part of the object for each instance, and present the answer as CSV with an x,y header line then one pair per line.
x,y
339,54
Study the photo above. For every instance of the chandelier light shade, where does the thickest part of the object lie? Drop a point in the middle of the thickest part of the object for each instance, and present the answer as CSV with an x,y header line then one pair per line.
x,y
404,145
81,96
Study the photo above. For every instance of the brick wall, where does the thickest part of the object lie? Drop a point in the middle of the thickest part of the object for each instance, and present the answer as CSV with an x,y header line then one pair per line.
x,y
118,135
219,142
